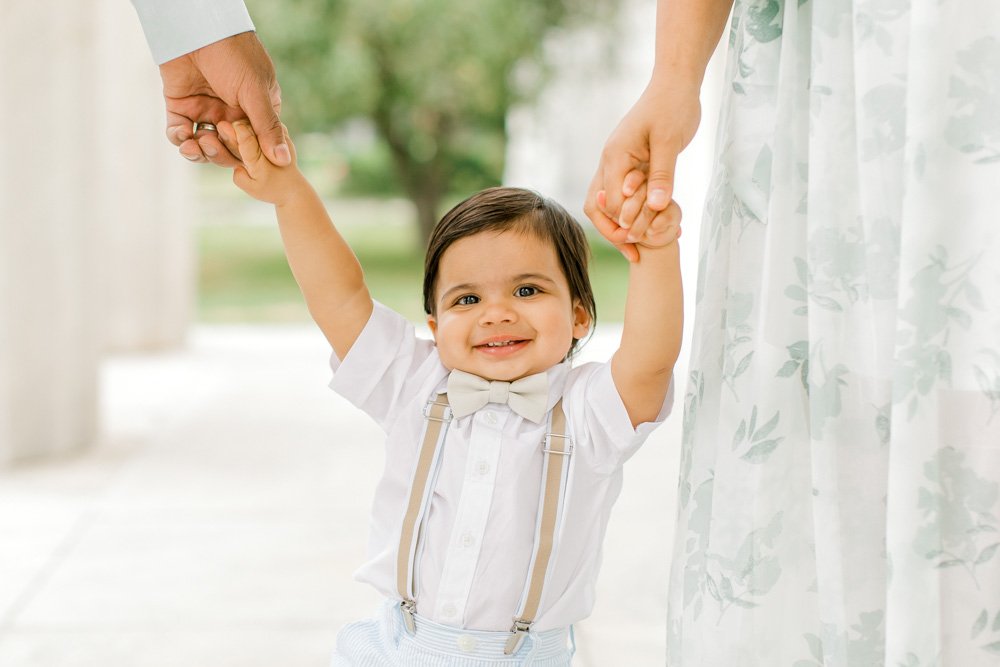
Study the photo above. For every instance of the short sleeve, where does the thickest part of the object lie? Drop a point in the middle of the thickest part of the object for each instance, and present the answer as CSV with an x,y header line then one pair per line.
x,y
176,27
596,407
387,367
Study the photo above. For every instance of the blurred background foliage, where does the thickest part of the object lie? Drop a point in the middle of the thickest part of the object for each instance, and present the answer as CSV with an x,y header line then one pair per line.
x,y
432,80
386,100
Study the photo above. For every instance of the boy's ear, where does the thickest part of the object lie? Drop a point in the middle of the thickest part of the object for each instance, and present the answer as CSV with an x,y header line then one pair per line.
x,y
581,320
432,323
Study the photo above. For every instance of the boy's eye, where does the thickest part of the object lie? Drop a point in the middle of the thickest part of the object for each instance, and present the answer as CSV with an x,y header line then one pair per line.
x,y
467,300
526,290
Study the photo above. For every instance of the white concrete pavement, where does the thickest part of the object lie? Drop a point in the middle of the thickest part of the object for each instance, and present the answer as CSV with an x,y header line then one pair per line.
x,y
219,520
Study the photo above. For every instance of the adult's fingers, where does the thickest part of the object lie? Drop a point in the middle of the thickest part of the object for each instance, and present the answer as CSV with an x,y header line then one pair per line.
x,y
191,150
660,184
594,200
215,150
633,180
613,171
609,229
259,103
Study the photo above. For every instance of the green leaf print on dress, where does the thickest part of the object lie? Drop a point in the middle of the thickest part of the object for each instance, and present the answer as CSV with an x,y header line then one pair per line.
x,y
974,92
960,529
939,291
798,361
752,572
754,23
763,20
885,108
988,379
987,636
860,645
695,546
736,358
871,19
756,445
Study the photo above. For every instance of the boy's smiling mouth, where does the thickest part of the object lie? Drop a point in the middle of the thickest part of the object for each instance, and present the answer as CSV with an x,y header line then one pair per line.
x,y
501,345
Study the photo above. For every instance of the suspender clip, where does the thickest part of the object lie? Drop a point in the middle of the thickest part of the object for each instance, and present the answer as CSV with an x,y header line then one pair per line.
x,y
409,608
519,630
445,411
566,450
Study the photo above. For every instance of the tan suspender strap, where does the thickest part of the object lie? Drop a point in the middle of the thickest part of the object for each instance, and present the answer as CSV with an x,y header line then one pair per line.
x,y
436,419
551,488
556,454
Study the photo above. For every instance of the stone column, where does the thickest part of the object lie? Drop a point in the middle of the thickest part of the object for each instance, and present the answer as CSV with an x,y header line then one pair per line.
x,y
95,220
49,336
144,198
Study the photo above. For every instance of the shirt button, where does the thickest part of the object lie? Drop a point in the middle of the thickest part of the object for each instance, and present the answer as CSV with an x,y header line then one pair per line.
x,y
467,643
483,468
491,418
449,610
468,540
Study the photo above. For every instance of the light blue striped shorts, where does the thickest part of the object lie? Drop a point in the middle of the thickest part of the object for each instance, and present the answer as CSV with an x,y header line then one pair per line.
x,y
383,642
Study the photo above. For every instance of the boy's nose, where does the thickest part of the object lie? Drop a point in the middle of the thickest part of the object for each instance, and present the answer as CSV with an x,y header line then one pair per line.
x,y
498,312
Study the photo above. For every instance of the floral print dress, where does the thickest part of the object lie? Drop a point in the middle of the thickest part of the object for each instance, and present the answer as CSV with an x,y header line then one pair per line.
x,y
839,500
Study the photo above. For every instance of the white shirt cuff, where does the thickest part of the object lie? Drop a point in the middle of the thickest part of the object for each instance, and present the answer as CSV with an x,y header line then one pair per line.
x,y
176,27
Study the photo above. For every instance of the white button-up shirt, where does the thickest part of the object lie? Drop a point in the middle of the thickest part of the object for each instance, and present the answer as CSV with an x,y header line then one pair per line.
x,y
176,27
479,532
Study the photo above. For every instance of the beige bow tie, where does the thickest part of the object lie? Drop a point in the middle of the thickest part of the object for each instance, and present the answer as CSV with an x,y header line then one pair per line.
x,y
527,396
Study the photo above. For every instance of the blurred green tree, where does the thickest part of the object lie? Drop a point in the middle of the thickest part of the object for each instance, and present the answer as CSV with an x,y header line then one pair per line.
x,y
434,77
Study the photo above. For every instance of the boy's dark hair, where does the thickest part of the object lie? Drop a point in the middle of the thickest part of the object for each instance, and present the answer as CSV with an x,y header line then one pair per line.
x,y
502,209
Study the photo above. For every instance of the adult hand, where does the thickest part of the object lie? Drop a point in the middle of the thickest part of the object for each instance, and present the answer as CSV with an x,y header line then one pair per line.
x,y
224,81
643,149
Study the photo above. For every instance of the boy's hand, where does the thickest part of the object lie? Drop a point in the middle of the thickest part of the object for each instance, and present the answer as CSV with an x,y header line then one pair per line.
x,y
645,227
639,226
257,176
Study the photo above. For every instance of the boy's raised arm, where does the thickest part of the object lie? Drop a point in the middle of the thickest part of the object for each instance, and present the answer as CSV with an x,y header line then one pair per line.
x,y
654,312
324,266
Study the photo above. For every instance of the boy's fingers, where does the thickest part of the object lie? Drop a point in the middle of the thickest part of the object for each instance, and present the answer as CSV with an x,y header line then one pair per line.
x,y
610,230
249,149
640,224
227,135
241,178
632,207
664,226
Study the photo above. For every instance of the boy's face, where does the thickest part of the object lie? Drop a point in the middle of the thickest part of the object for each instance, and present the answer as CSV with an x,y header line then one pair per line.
x,y
503,306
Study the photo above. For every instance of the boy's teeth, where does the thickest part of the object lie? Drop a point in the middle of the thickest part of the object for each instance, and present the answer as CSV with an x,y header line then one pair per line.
x,y
506,342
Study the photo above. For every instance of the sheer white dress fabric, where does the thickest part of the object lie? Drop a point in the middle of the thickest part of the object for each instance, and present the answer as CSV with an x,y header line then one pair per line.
x,y
839,500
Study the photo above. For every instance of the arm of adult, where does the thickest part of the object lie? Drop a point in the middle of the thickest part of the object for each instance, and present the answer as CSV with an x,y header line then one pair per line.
x,y
213,69
664,119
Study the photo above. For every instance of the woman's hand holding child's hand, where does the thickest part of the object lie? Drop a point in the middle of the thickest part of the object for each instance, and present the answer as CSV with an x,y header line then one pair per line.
x,y
257,176
637,226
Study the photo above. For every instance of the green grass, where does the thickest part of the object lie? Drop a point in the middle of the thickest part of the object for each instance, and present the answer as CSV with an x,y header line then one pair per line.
x,y
244,276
